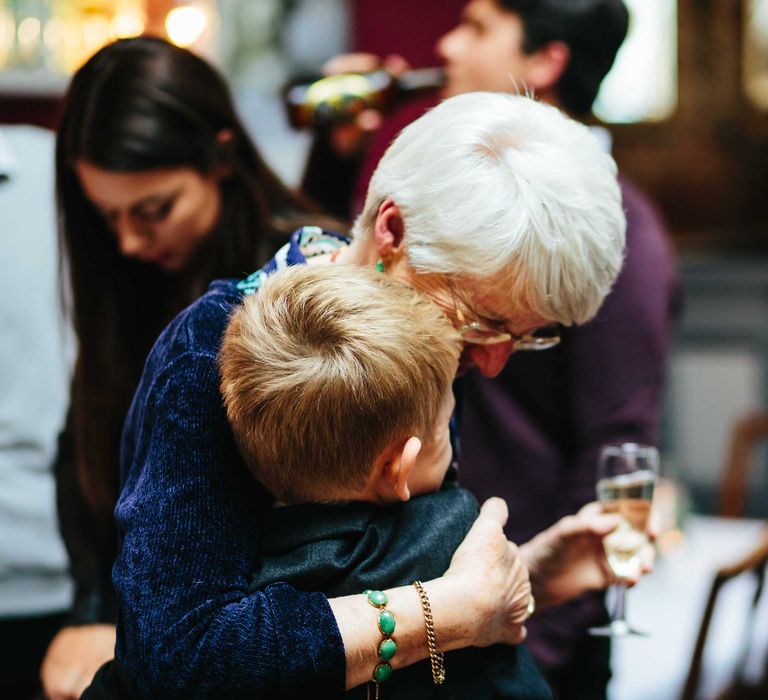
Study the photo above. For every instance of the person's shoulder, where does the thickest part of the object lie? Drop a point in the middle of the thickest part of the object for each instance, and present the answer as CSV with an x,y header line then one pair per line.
x,y
644,218
196,332
452,508
649,245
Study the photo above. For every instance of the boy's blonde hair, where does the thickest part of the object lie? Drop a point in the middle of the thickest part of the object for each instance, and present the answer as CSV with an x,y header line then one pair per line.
x,y
324,367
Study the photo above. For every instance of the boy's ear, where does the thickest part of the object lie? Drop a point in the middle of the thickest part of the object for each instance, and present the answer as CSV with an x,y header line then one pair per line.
x,y
398,469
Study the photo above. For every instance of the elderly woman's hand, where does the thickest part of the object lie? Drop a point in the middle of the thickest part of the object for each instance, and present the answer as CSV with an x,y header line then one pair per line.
x,y
494,577
568,558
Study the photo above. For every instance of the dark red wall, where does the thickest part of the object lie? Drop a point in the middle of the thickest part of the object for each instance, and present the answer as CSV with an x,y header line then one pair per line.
x,y
407,27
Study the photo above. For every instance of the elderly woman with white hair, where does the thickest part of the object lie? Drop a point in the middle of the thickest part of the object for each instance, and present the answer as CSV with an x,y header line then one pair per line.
x,y
508,216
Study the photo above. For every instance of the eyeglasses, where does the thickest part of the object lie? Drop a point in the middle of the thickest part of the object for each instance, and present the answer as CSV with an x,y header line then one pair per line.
x,y
478,333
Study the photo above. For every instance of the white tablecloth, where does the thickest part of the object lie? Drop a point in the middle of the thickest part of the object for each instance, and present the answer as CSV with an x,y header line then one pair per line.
x,y
669,604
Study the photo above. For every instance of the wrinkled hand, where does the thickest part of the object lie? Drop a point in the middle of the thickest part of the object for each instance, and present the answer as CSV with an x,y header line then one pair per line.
x,y
494,577
568,559
73,657
351,139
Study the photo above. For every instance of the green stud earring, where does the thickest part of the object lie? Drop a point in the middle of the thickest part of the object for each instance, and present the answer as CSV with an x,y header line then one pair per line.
x,y
379,266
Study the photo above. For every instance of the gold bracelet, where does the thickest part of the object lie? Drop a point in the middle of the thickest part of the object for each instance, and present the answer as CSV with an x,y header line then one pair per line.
x,y
436,658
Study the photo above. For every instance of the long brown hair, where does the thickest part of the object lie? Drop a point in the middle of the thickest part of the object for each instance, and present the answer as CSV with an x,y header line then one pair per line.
x,y
136,105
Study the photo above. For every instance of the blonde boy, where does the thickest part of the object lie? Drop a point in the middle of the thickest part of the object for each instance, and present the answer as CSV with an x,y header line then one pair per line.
x,y
337,384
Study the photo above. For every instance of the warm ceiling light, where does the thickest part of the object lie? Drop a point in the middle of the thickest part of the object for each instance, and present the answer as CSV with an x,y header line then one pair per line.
x,y
29,30
186,24
126,24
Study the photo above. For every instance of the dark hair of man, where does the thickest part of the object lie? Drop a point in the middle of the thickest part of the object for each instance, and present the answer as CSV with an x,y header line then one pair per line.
x,y
593,30
136,105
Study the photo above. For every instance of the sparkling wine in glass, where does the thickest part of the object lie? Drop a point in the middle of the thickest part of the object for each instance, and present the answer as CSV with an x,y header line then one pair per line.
x,y
626,477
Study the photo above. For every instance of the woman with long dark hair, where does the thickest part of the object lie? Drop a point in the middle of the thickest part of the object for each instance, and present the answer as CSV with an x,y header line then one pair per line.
x,y
159,191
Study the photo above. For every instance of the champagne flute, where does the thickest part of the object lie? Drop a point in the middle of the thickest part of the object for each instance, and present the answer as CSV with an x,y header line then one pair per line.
x,y
626,477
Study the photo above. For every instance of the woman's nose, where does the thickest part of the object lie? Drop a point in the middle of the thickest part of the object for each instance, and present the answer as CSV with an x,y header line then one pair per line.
x,y
130,240
490,359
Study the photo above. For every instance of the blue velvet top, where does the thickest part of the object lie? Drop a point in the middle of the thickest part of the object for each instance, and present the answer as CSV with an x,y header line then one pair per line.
x,y
188,517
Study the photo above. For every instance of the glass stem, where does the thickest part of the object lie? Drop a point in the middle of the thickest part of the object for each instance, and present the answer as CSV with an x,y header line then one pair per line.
x,y
619,609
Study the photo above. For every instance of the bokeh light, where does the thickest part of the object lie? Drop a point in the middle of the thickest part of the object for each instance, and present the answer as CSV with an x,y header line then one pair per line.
x,y
186,24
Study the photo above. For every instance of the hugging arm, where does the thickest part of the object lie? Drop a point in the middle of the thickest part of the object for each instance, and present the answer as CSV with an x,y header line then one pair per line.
x,y
189,515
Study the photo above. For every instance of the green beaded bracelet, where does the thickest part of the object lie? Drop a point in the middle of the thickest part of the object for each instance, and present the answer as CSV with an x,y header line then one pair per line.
x,y
387,646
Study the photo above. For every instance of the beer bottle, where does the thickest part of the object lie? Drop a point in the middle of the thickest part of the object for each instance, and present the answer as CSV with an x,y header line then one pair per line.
x,y
339,98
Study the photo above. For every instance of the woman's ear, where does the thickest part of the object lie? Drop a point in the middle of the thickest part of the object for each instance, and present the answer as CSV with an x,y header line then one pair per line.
x,y
388,230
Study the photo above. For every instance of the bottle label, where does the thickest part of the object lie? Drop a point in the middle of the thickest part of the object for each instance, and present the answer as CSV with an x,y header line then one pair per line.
x,y
338,98
337,88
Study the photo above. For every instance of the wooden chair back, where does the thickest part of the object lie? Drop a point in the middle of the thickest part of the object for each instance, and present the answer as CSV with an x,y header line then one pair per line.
x,y
748,432
753,564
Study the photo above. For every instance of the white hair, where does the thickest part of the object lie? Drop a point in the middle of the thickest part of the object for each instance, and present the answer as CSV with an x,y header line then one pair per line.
x,y
503,187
